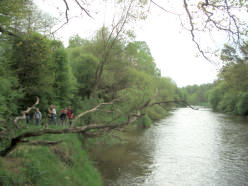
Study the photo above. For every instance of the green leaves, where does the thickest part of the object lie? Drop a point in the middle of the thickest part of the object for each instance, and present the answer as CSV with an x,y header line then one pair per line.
x,y
230,91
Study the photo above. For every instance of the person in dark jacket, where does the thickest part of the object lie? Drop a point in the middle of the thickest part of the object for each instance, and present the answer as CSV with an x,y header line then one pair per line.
x,y
63,117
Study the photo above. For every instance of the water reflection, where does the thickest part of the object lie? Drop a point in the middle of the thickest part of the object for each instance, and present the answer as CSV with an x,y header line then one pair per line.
x,y
188,148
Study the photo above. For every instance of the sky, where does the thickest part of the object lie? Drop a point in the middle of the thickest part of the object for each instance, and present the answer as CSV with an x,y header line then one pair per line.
x,y
171,45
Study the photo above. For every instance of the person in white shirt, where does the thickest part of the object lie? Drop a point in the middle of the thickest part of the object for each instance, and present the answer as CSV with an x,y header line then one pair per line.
x,y
54,114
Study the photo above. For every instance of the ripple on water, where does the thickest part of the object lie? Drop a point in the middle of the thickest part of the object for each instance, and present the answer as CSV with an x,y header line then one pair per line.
x,y
187,148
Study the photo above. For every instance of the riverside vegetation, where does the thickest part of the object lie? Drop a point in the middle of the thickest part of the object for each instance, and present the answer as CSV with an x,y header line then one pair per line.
x,y
229,93
85,74
110,80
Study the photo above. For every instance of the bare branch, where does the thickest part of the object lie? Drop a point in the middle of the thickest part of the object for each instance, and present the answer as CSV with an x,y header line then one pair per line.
x,y
23,116
82,8
182,102
192,32
233,19
66,10
91,110
41,142
62,25
162,8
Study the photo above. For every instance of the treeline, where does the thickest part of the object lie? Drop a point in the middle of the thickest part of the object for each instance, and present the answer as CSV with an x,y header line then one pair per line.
x,y
196,94
229,93
84,74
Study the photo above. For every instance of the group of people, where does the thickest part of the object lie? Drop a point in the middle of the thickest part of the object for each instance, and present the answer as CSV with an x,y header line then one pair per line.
x,y
65,115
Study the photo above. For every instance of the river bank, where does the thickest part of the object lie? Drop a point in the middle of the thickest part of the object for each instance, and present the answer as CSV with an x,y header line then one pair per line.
x,y
64,164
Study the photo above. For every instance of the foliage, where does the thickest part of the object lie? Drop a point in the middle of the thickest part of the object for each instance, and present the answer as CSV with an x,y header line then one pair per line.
x,y
230,91
87,73
64,81
23,17
31,62
242,104
197,94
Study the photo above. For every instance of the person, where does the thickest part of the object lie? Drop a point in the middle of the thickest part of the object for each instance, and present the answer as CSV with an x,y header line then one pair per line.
x,y
54,114
70,114
27,118
37,116
49,114
63,117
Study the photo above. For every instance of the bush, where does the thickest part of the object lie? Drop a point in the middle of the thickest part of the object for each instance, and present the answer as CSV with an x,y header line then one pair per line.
x,y
242,104
228,102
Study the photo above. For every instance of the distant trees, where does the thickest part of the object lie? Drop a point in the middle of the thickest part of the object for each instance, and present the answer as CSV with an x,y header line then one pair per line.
x,y
197,94
229,92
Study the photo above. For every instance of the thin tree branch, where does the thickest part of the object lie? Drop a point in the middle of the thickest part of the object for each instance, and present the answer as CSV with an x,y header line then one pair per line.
x,y
82,8
233,19
66,10
41,142
181,102
91,110
162,8
192,32
23,113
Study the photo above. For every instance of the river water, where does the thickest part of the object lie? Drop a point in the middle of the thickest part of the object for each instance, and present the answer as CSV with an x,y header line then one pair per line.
x,y
190,147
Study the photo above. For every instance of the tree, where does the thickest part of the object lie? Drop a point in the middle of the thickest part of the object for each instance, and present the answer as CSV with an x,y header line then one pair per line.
x,y
31,62
216,94
64,82
76,41
10,11
83,68
233,74
9,93
140,57
23,17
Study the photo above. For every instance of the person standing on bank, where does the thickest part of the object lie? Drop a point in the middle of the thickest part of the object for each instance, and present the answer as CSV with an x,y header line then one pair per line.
x,y
54,114
70,115
63,115
50,114
37,116
27,118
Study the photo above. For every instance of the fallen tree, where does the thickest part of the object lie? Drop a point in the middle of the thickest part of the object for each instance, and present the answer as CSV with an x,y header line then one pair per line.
x,y
90,130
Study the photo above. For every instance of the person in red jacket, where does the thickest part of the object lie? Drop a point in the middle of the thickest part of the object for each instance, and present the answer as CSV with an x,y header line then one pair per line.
x,y
70,114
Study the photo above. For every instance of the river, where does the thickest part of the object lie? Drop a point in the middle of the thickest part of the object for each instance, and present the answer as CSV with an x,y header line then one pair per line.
x,y
190,147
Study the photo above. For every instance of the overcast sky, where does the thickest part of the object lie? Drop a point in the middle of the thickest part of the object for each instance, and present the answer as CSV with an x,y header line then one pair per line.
x,y
171,45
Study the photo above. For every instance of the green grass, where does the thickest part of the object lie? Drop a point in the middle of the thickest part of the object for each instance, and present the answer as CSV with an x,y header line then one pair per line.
x,y
63,164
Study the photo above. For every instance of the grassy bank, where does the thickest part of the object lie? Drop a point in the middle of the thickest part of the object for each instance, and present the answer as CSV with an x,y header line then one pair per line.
x,y
63,164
